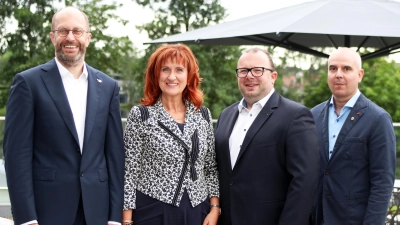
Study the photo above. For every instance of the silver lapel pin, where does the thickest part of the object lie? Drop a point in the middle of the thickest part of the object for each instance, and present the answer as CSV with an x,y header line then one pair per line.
x,y
99,80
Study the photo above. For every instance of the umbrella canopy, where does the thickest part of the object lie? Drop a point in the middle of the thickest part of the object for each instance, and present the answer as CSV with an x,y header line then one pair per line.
x,y
322,23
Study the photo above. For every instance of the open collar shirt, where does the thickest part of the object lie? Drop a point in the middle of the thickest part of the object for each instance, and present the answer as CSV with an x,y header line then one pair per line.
x,y
245,119
76,90
336,121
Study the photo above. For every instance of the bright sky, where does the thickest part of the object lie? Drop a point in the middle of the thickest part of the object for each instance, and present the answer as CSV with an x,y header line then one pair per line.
x,y
235,8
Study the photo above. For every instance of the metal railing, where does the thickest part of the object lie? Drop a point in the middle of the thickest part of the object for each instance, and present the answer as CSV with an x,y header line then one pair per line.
x,y
393,215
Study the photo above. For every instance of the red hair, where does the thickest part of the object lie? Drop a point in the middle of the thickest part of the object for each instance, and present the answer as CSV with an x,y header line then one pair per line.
x,y
182,55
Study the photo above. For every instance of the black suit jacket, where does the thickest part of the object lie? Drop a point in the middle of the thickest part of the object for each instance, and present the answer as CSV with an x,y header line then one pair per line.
x,y
276,173
46,173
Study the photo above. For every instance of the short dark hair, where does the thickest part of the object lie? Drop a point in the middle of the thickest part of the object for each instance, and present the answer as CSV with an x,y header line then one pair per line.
x,y
257,49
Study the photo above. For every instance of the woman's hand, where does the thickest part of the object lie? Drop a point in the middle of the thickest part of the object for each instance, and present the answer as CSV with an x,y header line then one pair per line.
x,y
127,217
212,216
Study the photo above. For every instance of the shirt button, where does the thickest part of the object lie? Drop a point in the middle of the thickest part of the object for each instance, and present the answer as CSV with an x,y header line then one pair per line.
x,y
251,114
244,129
334,136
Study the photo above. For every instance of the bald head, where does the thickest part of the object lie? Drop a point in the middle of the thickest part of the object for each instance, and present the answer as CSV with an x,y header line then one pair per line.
x,y
348,54
70,10
344,75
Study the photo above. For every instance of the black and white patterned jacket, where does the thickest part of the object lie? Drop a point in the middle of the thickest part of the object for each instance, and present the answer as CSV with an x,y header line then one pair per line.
x,y
161,161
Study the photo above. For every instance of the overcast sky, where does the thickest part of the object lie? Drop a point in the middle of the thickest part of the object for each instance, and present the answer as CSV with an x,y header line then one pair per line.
x,y
235,8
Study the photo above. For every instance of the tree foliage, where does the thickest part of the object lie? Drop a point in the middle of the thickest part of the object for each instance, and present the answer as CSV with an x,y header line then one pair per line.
x,y
29,44
217,63
380,84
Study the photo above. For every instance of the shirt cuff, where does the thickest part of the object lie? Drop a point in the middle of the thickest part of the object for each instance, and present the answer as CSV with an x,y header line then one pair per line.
x,y
30,222
35,221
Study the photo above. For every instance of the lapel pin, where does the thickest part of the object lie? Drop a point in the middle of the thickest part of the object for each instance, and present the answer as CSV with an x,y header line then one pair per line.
x,y
99,80
358,113
352,118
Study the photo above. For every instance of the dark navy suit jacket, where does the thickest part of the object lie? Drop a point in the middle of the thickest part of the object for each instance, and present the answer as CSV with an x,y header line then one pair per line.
x,y
276,173
46,173
356,183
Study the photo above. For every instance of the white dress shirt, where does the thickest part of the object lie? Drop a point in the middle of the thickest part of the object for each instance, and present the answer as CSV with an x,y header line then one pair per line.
x,y
243,123
76,90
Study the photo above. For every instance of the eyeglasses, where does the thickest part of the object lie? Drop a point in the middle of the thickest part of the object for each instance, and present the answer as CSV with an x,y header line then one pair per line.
x,y
75,32
255,71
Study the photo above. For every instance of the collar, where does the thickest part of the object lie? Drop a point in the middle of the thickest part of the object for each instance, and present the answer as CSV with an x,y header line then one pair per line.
x,y
351,102
65,73
243,105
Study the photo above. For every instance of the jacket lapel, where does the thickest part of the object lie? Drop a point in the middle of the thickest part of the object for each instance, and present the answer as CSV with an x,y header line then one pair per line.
x,y
93,97
52,80
262,117
226,132
354,116
324,115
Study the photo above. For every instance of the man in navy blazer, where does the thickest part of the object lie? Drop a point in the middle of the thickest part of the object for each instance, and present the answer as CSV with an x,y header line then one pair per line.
x,y
357,149
63,142
267,151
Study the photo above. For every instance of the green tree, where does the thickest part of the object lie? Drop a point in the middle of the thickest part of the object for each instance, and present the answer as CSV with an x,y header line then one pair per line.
x,y
217,63
316,90
380,84
29,44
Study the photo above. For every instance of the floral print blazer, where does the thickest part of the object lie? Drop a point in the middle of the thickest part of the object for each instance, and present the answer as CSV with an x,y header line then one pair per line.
x,y
161,161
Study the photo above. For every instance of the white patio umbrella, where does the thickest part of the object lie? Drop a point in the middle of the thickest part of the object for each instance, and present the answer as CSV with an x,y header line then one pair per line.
x,y
320,23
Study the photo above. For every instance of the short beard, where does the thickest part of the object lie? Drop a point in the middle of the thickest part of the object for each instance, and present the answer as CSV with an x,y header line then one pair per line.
x,y
70,61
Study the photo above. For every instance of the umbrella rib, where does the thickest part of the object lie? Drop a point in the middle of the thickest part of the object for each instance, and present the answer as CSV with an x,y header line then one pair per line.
x,y
257,40
381,52
362,43
287,44
331,41
286,38
382,41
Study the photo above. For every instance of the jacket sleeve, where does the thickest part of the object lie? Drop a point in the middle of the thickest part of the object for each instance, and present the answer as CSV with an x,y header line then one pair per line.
x,y
18,150
114,151
133,146
211,163
302,165
382,165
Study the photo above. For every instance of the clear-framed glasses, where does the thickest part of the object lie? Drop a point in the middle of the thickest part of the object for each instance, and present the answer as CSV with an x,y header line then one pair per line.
x,y
255,71
76,32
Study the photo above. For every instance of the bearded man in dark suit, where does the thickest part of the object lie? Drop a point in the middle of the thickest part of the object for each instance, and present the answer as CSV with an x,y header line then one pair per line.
x,y
63,144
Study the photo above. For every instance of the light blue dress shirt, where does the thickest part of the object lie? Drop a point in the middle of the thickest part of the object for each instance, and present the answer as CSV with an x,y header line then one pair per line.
x,y
336,122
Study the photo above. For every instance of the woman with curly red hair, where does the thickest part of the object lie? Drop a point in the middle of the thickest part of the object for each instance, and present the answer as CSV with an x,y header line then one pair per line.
x,y
171,173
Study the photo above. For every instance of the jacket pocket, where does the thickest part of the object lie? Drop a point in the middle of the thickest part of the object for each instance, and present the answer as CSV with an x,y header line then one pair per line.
x,y
44,174
103,175
356,148
356,207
